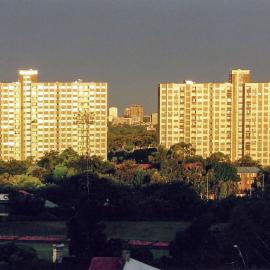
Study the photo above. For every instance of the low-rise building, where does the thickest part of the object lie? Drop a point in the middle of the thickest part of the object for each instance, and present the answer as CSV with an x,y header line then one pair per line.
x,y
247,176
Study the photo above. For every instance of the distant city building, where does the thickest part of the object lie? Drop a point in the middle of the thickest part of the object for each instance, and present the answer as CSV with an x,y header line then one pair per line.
x,y
135,112
147,119
37,117
231,117
113,113
154,119
119,121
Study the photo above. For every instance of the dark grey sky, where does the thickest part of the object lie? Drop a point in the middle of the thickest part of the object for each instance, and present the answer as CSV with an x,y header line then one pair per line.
x,y
134,44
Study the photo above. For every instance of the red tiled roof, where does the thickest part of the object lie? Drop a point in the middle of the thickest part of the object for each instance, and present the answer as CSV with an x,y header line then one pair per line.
x,y
161,244
8,237
140,243
31,238
40,238
193,165
145,166
105,263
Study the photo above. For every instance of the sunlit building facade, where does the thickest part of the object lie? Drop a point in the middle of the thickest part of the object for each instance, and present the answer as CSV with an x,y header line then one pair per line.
x,y
256,135
113,113
136,112
231,117
154,119
37,117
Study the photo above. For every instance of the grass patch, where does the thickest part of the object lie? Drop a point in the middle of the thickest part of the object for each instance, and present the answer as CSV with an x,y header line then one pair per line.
x,y
34,228
141,230
127,230
44,251
145,230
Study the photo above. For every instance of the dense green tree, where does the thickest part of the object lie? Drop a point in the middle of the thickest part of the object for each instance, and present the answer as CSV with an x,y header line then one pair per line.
x,y
26,182
60,172
226,188
49,160
141,177
20,181
222,209
39,172
189,248
23,257
5,179
195,176
224,171
126,171
69,157
223,179
209,244
159,158
169,167
181,151
86,233
247,161
128,138
69,163
174,200
97,165
216,158
143,255
14,167
249,229
194,159
25,205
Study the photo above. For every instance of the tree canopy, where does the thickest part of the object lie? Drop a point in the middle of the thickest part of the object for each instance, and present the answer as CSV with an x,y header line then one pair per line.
x,y
128,138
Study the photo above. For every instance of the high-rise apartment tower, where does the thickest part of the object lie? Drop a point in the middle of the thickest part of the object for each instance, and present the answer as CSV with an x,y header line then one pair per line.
x,y
231,117
37,117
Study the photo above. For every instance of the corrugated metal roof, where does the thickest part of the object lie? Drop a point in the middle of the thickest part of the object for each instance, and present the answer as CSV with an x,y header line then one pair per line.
x,y
248,170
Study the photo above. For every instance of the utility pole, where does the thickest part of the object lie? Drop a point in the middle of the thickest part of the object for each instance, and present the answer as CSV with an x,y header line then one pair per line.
x,y
85,119
207,187
263,182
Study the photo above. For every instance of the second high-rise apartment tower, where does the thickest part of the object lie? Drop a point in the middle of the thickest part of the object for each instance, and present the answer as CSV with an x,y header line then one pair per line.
x,y
37,117
231,117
